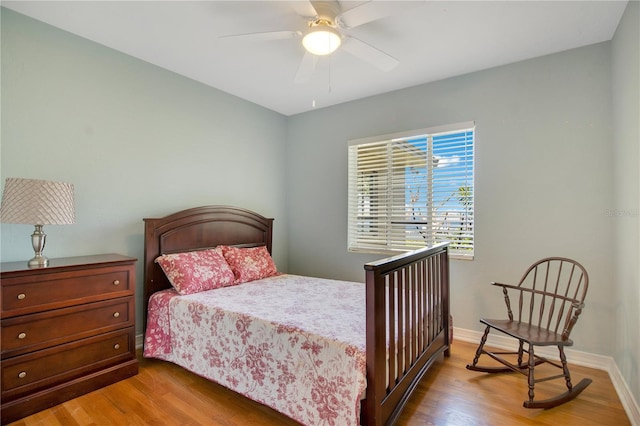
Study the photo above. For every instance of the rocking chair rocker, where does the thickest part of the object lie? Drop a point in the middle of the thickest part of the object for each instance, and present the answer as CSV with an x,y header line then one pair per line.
x,y
550,297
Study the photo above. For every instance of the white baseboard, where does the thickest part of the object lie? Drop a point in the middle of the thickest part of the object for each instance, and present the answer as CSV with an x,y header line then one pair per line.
x,y
584,359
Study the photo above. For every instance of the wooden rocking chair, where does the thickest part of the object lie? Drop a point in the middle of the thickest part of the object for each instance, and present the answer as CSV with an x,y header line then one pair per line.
x,y
549,298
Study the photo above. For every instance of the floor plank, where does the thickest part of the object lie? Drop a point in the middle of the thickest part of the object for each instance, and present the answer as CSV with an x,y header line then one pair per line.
x,y
165,394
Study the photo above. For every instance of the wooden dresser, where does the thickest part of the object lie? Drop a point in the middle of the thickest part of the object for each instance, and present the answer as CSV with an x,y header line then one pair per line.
x,y
67,329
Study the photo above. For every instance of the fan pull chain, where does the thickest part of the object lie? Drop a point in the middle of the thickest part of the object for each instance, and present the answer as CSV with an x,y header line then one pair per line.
x,y
330,62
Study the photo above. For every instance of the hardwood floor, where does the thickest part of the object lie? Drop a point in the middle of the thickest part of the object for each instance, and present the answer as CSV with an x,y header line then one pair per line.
x,y
164,394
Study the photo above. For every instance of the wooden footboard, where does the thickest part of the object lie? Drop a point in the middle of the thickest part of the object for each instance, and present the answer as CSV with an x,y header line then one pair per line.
x,y
407,327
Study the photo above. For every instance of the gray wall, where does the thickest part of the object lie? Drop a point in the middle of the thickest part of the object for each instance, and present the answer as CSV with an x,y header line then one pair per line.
x,y
626,207
135,140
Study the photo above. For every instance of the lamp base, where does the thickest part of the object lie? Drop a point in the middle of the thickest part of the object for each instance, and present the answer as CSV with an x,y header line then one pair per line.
x,y
38,239
39,261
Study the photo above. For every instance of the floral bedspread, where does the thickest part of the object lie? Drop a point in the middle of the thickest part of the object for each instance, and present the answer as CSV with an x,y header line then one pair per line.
x,y
296,344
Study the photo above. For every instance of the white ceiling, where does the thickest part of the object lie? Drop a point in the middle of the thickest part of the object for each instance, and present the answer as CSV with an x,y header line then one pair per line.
x,y
432,40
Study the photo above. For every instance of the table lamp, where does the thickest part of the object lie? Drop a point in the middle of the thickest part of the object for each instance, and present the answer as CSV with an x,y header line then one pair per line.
x,y
37,202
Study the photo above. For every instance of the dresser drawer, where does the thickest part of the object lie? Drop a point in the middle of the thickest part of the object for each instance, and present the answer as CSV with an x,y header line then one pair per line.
x,y
27,294
31,372
38,331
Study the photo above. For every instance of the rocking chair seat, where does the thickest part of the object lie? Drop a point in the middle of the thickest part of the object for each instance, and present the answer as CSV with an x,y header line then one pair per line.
x,y
529,333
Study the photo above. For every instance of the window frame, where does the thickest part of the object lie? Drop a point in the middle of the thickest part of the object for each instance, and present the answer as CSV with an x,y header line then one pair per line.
x,y
388,198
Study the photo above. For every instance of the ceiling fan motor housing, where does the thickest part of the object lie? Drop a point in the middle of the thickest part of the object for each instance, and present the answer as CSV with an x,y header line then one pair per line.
x,y
326,10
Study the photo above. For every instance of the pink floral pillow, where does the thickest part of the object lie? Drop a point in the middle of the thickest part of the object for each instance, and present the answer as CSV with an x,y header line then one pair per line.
x,y
249,264
196,271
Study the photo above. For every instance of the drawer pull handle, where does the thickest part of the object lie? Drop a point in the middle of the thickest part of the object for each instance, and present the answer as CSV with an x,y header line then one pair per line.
x,y
22,374
116,282
116,346
22,296
22,336
116,314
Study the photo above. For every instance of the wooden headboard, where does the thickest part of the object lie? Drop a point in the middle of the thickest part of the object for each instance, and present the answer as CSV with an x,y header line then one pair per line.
x,y
197,229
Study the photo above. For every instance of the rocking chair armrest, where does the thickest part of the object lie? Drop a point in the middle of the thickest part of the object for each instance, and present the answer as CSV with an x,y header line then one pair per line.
x,y
574,318
506,297
504,285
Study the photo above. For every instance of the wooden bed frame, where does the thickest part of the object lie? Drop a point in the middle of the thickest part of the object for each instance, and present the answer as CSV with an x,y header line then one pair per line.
x,y
411,289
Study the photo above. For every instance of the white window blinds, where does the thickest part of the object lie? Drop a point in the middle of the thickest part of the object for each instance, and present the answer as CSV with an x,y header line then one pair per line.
x,y
412,190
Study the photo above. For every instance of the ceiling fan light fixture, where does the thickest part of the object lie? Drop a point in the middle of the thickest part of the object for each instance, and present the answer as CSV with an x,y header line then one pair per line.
x,y
321,40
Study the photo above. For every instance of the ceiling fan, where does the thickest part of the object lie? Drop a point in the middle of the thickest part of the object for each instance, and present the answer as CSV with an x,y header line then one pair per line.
x,y
327,31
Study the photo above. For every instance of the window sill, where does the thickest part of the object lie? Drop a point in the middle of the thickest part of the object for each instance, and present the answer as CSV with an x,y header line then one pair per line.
x,y
452,256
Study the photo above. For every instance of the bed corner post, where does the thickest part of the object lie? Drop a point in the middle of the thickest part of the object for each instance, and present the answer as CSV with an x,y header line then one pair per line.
x,y
150,248
447,298
375,348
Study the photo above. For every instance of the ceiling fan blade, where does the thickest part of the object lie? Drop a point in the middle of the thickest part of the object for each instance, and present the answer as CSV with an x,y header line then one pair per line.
x,y
306,68
265,36
304,8
370,54
372,11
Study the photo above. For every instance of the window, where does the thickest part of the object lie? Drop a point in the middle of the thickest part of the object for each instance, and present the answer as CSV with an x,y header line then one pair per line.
x,y
412,190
